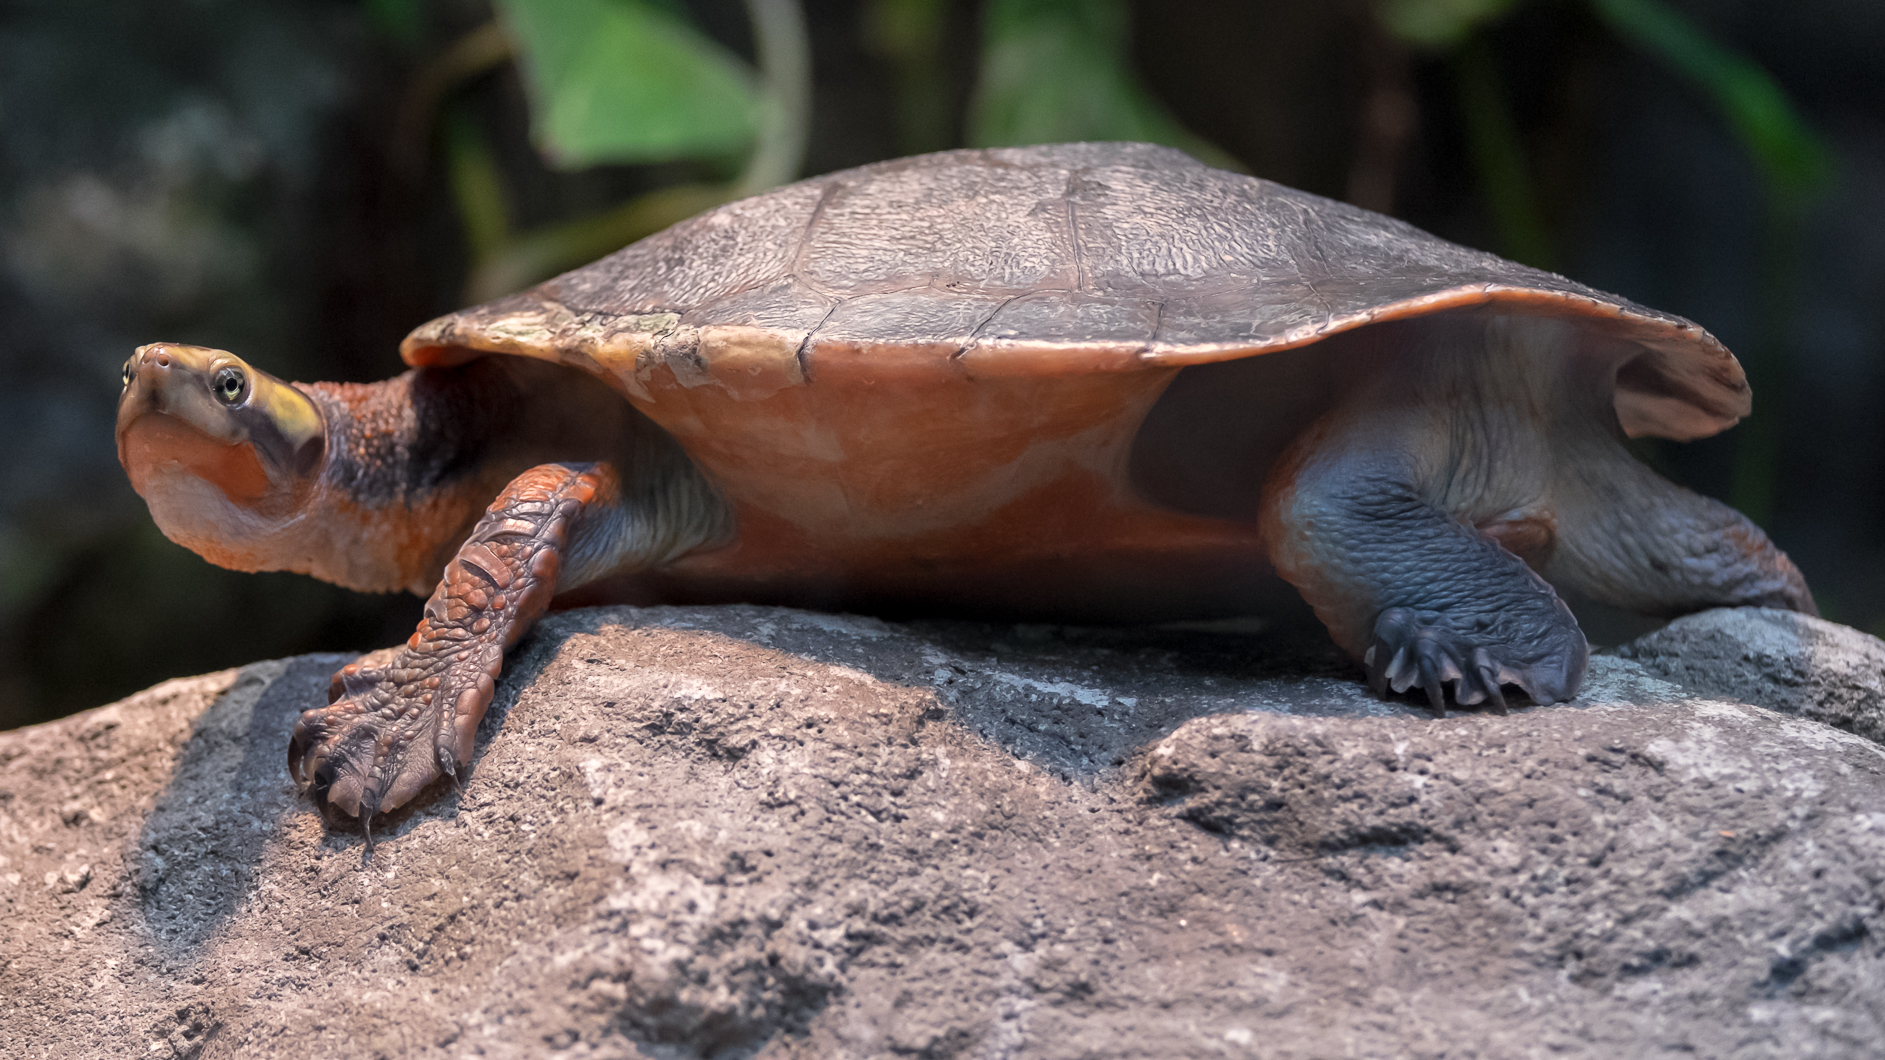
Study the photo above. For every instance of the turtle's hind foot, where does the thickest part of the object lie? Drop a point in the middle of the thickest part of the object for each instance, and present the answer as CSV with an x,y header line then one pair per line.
x,y
1425,649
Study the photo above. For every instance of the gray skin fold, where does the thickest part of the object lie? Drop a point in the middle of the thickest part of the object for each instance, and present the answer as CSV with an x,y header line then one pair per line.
x,y
1479,461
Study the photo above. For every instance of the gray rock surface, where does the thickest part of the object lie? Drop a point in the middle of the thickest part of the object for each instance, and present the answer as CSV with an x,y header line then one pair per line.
x,y
1781,660
740,831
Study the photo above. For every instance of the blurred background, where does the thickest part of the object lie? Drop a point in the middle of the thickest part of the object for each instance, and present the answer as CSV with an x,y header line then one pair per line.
x,y
302,181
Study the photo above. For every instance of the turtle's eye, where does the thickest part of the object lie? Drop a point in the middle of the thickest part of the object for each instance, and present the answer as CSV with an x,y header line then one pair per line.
x,y
230,385
130,367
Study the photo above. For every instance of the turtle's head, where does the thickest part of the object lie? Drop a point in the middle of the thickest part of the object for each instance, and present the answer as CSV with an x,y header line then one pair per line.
x,y
224,454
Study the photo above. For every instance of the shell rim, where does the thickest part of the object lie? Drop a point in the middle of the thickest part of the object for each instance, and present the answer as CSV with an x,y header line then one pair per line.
x,y
1695,387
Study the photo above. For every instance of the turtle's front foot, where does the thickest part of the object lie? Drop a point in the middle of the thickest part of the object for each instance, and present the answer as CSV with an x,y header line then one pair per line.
x,y
395,727
1430,649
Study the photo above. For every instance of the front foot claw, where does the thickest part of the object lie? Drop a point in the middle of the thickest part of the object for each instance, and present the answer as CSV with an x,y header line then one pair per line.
x,y
391,730
1428,649
398,720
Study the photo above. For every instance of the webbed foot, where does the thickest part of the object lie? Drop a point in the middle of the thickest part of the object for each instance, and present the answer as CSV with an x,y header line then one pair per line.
x,y
392,729
1478,654
394,725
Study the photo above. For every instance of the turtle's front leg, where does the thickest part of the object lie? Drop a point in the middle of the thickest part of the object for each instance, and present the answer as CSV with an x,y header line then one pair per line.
x,y
1419,597
391,730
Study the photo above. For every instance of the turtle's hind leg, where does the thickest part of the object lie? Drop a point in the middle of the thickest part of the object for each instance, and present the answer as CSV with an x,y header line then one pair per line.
x,y
392,729
1630,538
1410,514
1421,598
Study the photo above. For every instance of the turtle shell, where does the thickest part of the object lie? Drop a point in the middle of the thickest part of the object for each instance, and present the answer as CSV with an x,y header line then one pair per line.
x,y
1054,259
948,357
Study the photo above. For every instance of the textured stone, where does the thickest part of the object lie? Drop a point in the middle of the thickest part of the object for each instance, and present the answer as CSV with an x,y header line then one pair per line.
x,y
1781,660
735,831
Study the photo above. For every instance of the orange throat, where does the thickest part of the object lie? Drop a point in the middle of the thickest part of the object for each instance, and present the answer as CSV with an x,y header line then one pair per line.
x,y
213,498
154,447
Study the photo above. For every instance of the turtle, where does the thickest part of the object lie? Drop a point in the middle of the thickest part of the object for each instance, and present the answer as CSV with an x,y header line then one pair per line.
x,y
1099,381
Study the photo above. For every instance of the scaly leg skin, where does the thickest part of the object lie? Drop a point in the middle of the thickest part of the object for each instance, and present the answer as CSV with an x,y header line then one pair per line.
x,y
1419,597
1632,539
392,729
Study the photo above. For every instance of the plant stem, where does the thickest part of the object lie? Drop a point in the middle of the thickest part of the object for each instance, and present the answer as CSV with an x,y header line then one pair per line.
x,y
1499,157
477,190
910,35
785,68
471,56
1791,157
531,257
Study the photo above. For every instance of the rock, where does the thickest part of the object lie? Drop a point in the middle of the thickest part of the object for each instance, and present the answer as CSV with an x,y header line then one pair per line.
x,y
726,832
1781,660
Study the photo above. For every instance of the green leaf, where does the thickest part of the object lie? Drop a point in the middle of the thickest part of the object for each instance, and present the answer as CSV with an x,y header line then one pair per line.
x,y
1057,70
1437,24
1791,157
625,81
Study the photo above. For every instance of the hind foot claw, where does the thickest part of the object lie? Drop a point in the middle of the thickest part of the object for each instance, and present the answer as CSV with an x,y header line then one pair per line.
x,y
1428,649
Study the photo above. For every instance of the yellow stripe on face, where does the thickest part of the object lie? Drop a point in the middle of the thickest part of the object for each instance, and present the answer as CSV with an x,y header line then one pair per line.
x,y
208,413
185,392
292,413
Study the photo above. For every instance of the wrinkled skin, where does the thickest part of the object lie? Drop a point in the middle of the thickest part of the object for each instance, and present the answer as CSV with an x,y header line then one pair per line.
x,y
393,728
1422,516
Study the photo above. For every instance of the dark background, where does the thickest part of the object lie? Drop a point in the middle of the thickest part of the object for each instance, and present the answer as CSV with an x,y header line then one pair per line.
x,y
235,173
